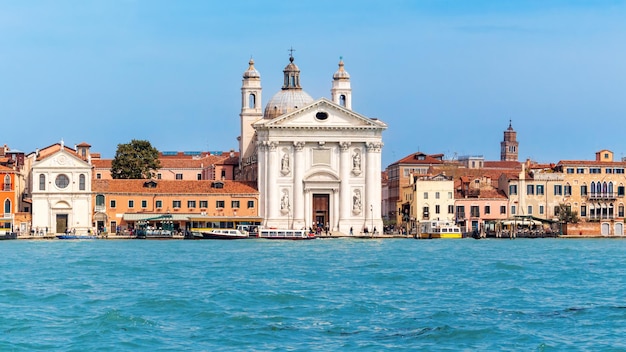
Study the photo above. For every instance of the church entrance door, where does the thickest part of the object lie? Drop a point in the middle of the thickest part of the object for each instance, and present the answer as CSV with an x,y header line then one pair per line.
x,y
61,223
321,209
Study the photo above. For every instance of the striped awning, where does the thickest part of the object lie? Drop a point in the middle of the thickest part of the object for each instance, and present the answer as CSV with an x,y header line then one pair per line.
x,y
144,216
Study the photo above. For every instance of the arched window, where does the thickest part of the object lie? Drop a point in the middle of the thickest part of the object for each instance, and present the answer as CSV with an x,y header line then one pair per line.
x,y
610,188
592,189
7,183
599,187
251,101
7,206
100,199
81,182
42,182
604,188
342,100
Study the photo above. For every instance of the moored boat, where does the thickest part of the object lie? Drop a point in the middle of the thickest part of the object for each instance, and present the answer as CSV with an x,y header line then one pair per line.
x,y
8,236
224,234
76,237
279,234
438,229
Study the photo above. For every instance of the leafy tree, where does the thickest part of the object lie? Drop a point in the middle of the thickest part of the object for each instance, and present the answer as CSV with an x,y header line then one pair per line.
x,y
135,160
566,215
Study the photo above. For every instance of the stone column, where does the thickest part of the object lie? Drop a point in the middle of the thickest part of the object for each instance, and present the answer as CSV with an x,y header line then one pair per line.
x,y
298,193
261,177
344,192
272,197
373,186
334,221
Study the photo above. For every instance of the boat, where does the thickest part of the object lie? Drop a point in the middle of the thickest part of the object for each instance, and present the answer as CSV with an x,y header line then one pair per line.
x,y
279,234
76,237
154,234
224,234
438,229
8,236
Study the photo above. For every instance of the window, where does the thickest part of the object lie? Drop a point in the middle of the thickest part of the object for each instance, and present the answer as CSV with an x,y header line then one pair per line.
x,y
100,200
425,212
608,171
7,206
583,210
558,190
541,210
250,204
487,209
62,181
42,182
567,190
219,204
81,182
619,171
512,189
436,195
620,191
199,177
512,209
530,190
204,204
425,195
583,190
112,203
449,195
251,101
503,209
7,183
159,204
474,211
557,210
580,170
539,190
179,176
450,209
437,208
530,210
144,203
99,176
191,204
620,211
158,176
570,170
131,203
234,204
595,170
223,174
460,212
176,204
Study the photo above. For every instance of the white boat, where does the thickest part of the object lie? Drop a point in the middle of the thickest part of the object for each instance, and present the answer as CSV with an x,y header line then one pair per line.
x,y
224,234
280,234
438,229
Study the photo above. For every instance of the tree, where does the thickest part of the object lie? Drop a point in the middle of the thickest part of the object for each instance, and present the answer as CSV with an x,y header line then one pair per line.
x,y
135,160
566,215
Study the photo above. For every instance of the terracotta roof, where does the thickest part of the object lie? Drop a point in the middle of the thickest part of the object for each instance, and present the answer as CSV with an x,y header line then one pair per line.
x,y
5,169
83,144
415,159
173,187
502,165
590,163
102,163
51,149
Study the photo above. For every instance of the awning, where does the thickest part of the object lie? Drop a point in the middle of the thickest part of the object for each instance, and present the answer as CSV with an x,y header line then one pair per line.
x,y
144,216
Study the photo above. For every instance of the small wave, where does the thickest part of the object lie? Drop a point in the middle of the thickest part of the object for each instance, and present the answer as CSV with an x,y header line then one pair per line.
x,y
508,266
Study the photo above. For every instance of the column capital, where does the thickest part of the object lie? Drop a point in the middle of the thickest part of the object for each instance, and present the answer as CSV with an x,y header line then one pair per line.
x,y
374,147
344,146
298,145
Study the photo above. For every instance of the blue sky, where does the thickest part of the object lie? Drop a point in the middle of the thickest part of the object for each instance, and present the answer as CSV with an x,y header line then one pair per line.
x,y
446,76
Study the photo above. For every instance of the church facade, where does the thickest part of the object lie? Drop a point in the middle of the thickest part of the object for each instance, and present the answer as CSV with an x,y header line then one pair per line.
x,y
316,162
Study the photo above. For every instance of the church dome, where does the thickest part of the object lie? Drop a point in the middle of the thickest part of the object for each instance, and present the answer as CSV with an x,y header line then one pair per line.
x,y
251,72
291,96
286,101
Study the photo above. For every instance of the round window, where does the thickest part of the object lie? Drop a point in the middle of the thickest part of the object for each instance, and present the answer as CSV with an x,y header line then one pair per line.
x,y
62,181
321,115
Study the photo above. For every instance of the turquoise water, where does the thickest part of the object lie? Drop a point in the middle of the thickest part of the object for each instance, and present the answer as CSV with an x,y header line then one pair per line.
x,y
325,295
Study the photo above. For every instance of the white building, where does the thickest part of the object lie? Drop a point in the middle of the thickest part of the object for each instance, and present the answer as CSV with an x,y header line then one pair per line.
x,y
60,186
315,161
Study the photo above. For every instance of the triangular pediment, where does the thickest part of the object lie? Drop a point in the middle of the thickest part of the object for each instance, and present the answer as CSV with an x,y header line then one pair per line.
x,y
62,159
321,114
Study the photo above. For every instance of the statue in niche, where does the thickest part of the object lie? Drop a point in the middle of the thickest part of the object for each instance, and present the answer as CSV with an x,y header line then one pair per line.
x,y
356,161
284,164
356,201
284,201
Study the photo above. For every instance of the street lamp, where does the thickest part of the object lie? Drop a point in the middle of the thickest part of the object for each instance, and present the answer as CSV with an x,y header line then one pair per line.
x,y
372,211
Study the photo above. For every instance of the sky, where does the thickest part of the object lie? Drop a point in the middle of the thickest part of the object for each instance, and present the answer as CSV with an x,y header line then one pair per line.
x,y
446,76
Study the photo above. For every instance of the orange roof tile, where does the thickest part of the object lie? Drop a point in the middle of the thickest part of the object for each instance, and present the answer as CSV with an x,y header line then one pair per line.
x,y
173,187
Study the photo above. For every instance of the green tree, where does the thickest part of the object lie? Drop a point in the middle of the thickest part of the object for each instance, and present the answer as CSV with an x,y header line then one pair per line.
x,y
566,215
135,160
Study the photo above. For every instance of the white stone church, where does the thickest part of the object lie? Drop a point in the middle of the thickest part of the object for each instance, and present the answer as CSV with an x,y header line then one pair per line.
x,y
315,161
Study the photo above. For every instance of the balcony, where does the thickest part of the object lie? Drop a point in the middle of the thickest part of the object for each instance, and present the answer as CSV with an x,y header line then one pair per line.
x,y
7,187
600,217
460,216
100,209
602,196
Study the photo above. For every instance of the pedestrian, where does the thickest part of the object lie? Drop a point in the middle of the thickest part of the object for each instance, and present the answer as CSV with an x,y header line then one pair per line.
x,y
351,232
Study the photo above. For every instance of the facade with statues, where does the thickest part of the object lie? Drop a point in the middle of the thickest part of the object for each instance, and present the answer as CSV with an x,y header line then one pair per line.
x,y
316,162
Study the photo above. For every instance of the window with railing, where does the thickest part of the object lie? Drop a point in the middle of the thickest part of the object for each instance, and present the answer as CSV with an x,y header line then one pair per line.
x,y
219,204
474,211
7,182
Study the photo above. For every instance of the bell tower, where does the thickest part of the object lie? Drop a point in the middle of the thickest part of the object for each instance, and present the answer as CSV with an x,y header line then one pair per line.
x,y
341,92
508,147
251,111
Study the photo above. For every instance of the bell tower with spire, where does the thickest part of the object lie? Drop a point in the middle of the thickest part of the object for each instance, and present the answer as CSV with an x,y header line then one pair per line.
x,y
341,92
251,111
508,147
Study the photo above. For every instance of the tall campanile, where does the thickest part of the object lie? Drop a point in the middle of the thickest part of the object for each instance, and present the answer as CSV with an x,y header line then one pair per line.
x,y
251,111
508,147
